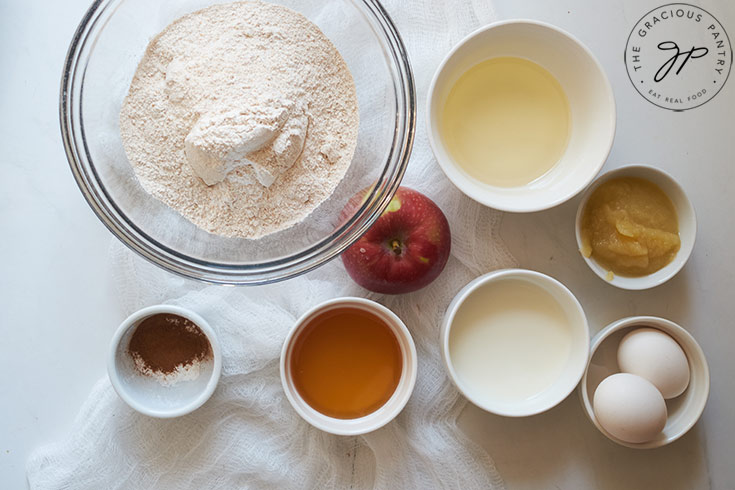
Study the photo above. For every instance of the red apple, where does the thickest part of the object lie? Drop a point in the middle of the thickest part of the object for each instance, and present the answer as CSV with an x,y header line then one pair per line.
x,y
405,249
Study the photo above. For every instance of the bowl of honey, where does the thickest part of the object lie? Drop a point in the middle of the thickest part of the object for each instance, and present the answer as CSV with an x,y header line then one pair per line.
x,y
521,116
348,366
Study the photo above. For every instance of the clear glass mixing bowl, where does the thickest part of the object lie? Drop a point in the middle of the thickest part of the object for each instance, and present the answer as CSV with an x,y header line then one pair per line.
x,y
100,64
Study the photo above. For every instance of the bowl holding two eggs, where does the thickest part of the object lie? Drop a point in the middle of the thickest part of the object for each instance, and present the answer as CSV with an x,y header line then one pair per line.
x,y
647,382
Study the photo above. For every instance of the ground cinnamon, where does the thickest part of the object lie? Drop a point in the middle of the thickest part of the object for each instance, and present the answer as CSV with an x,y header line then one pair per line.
x,y
165,342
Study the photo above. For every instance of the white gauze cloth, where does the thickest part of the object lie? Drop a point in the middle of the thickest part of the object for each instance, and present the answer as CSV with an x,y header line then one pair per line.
x,y
247,435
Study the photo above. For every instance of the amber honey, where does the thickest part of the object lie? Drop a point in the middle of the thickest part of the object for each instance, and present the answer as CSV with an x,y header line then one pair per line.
x,y
346,363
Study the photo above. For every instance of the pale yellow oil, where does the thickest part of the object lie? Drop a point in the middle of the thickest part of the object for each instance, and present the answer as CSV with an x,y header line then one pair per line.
x,y
506,121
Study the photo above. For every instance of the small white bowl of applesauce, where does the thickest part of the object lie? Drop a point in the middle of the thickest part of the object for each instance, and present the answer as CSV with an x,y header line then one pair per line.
x,y
637,254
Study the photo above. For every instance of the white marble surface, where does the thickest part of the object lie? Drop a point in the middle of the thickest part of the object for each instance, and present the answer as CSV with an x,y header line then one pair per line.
x,y
58,310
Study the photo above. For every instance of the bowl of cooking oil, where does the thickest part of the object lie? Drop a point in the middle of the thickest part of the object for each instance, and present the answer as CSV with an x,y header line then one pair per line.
x,y
521,116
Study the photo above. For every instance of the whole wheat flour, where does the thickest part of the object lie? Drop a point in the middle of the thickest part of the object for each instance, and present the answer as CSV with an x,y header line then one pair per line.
x,y
242,117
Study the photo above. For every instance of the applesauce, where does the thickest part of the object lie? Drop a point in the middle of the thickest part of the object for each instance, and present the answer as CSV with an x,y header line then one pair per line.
x,y
629,226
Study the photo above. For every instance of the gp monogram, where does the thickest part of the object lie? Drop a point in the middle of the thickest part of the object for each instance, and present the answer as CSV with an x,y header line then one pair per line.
x,y
678,56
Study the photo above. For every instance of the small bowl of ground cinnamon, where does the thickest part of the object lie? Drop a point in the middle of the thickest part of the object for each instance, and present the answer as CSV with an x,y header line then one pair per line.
x,y
164,361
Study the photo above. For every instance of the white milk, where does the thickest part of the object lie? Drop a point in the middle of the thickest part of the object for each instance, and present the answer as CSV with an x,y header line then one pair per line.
x,y
509,341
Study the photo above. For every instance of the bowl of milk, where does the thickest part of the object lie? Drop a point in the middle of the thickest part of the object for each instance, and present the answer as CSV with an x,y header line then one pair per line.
x,y
521,116
515,342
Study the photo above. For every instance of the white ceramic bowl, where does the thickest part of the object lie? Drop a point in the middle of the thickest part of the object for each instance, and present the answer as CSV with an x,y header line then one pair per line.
x,y
687,226
588,91
147,395
683,411
575,364
381,416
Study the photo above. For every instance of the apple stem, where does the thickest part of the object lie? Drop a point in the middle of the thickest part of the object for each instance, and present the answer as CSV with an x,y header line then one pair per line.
x,y
396,246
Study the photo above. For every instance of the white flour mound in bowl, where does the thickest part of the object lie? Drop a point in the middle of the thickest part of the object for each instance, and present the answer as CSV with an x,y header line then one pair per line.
x,y
242,117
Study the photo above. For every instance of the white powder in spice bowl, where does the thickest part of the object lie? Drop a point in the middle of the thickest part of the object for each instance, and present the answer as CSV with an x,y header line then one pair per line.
x,y
242,117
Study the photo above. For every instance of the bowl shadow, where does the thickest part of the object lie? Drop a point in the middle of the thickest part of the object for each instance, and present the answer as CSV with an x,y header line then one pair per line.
x,y
562,449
